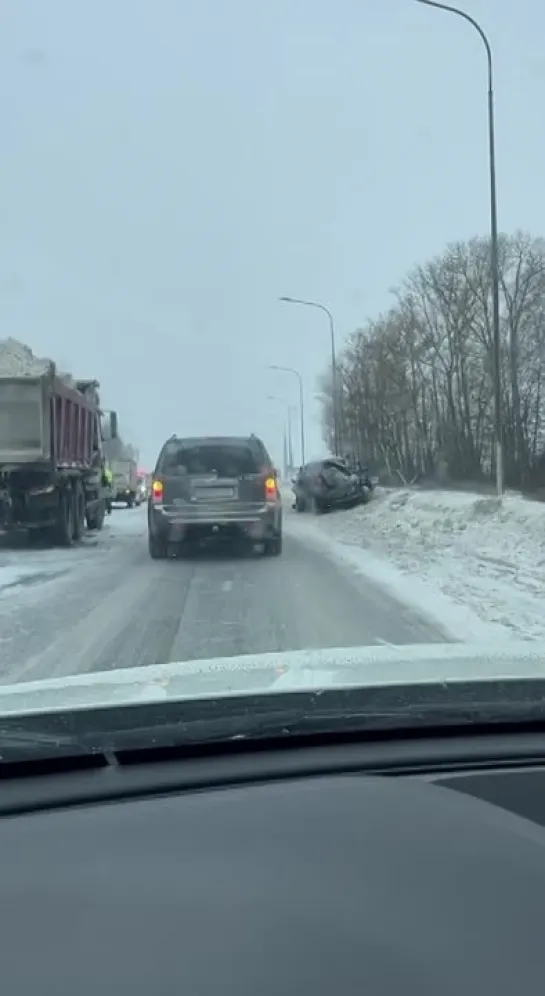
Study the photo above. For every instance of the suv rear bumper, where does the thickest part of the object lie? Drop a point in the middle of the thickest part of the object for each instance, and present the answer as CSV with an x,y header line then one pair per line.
x,y
257,522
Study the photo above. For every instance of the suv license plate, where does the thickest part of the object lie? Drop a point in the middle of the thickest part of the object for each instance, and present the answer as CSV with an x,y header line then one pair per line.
x,y
215,494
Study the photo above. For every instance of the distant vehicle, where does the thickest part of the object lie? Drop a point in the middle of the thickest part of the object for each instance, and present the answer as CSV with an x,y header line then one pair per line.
x,y
125,483
221,487
327,484
51,460
141,489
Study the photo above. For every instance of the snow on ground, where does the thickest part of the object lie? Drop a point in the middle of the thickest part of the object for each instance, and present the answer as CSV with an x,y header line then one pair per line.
x,y
27,566
476,568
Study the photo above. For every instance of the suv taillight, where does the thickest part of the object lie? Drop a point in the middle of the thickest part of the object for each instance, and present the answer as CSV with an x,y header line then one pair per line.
x,y
157,491
271,488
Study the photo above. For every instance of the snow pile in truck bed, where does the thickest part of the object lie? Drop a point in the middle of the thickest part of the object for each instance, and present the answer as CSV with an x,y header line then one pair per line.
x,y
18,360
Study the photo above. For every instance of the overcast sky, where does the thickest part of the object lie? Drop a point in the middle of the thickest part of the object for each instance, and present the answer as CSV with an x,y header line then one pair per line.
x,y
170,167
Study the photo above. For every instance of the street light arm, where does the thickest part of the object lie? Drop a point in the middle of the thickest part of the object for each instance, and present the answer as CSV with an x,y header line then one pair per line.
x,y
291,370
310,304
475,24
322,307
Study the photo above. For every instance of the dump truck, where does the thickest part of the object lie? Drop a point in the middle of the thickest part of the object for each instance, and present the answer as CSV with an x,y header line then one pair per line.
x,y
125,482
51,460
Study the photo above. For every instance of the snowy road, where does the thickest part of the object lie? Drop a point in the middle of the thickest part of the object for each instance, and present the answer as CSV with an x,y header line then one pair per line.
x,y
107,605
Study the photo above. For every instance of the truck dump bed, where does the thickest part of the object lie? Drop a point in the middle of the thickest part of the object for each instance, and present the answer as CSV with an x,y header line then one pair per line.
x,y
44,420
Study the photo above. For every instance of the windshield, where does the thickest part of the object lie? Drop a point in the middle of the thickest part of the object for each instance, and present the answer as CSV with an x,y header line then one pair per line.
x,y
272,405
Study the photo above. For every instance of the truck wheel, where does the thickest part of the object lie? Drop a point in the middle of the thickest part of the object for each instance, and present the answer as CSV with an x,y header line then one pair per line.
x,y
95,517
100,515
79,512
64,529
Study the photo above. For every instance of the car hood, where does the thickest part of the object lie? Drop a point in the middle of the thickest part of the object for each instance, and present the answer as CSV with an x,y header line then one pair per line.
x,y
287,671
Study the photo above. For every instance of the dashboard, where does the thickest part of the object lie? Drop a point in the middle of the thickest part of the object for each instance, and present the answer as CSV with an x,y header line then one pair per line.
x,y
320,871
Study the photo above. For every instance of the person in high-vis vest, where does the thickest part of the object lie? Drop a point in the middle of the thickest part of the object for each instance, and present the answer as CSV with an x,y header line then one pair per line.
x,y
109,483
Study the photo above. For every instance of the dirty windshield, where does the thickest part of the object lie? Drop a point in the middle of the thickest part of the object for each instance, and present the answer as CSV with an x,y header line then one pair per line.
x,y
272,347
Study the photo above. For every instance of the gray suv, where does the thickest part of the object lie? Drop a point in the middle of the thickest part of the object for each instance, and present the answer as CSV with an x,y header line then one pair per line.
x,y
214,487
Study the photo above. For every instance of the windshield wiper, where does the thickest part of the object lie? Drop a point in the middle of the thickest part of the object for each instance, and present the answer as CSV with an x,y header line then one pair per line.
x,y
286,724
280,716
25,741
300,722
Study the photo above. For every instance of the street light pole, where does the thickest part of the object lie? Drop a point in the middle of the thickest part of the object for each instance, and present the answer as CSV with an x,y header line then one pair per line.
x,y
494,251
290,441
273,366
287,425
322,307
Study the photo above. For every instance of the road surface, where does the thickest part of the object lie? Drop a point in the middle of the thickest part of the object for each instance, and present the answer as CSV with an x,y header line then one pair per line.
x,y
108,605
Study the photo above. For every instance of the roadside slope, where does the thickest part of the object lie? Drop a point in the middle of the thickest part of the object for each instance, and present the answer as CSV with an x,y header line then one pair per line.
x,y
476,568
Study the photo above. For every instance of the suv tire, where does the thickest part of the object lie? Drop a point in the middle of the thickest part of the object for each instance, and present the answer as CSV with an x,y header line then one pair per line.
x,y
273,546
157,547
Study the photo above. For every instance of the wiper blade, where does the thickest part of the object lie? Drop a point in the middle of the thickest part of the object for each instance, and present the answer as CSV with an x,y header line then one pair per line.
x,y
286,723
281,715
37,743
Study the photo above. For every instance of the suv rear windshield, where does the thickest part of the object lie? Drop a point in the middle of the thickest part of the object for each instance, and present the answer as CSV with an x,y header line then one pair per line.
x,y
223,460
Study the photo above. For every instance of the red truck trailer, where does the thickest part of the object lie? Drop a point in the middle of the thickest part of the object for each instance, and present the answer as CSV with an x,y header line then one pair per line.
x,y
51,459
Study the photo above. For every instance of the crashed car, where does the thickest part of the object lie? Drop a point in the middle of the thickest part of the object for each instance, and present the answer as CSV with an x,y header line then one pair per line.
x,y
327,484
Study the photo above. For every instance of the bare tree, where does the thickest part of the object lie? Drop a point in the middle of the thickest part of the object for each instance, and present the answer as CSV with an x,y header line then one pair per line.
x,y
416,383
